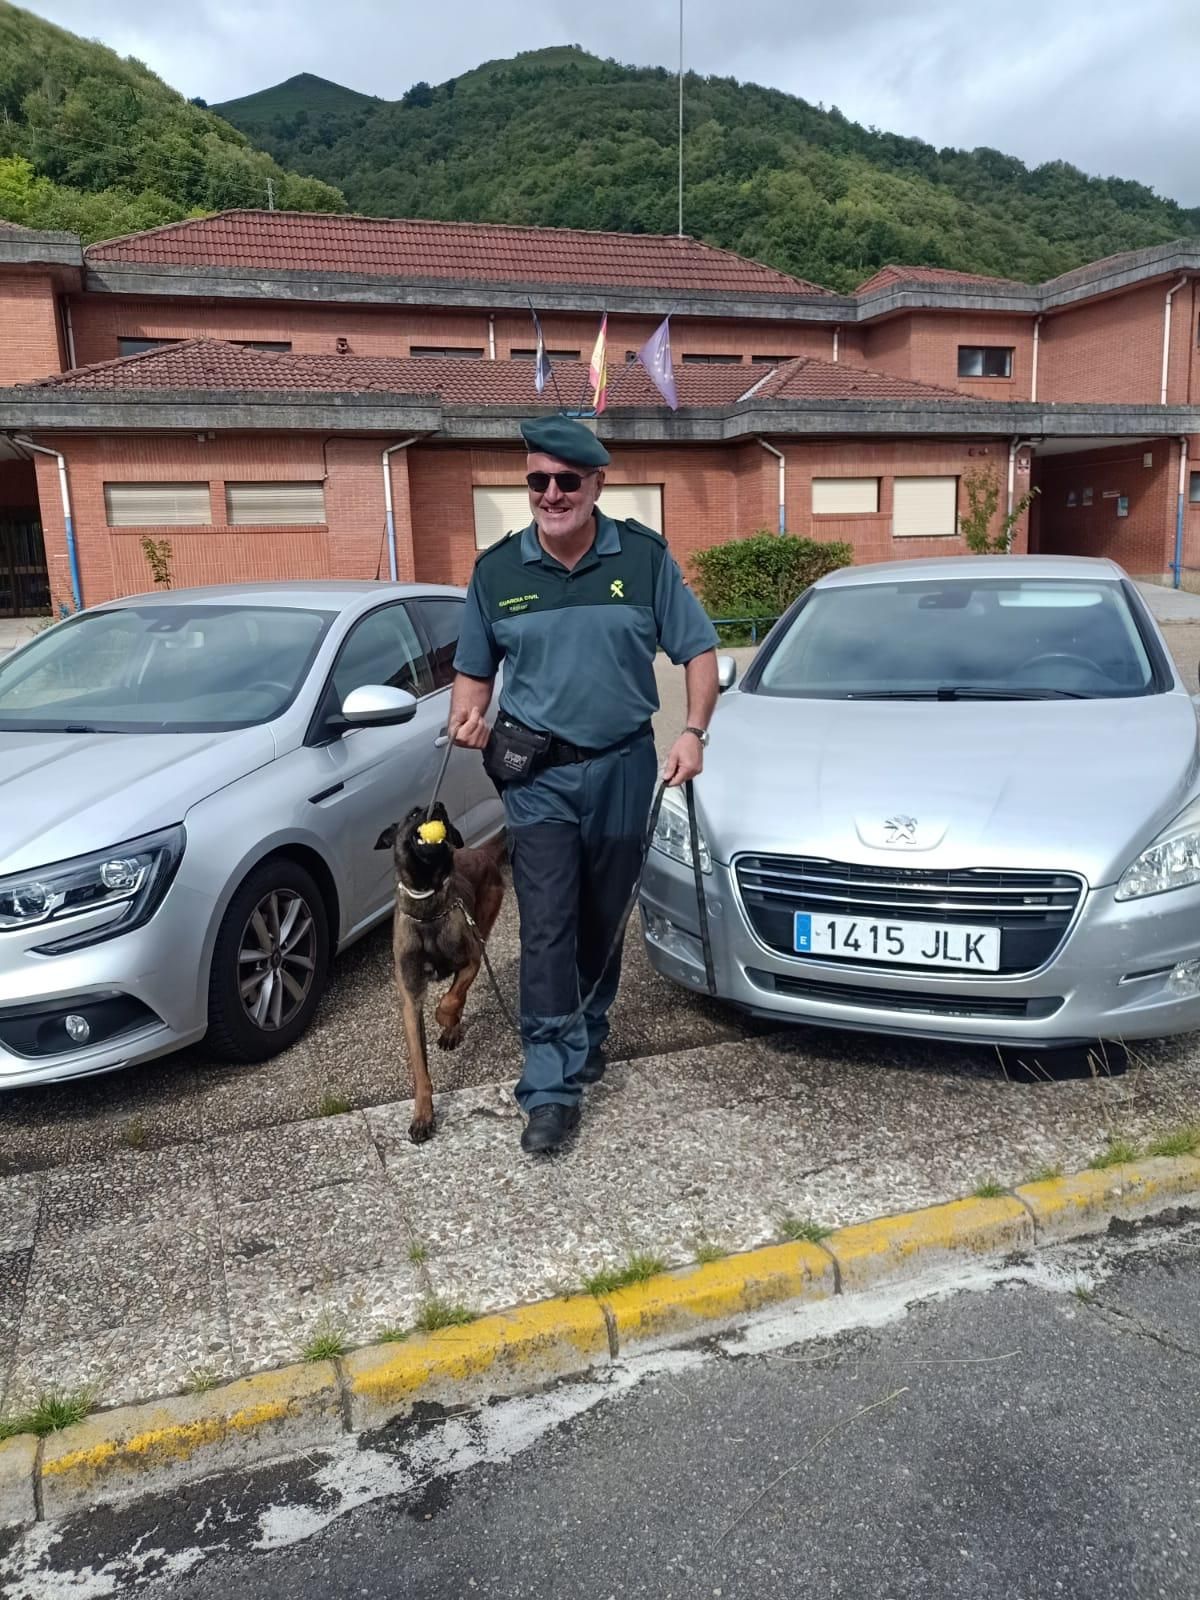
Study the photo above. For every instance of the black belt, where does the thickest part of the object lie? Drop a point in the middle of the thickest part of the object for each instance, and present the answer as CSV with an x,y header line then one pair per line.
x,y
562,753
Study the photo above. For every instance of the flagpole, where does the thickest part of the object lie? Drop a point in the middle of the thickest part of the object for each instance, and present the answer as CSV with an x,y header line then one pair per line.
x,y
681,119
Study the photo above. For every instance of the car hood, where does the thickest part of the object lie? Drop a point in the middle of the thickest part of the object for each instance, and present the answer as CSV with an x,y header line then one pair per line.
x,y
67,794
1058,784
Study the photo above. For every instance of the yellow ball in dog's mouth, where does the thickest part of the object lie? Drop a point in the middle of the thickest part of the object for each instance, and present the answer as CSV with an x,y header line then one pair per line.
x,y
432,832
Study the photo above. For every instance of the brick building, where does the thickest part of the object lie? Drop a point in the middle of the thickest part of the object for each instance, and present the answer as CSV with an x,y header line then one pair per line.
x,y
256,387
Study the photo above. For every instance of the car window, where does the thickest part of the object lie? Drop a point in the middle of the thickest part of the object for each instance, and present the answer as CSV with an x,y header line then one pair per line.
x,y
442,620
162,668
384,647
1024,637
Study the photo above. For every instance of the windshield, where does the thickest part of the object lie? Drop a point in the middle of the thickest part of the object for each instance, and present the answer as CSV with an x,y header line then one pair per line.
x,y
161,669
995,638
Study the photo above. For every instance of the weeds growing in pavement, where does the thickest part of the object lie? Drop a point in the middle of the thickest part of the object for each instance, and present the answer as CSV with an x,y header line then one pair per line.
x,y
707,1251
435,1314
636,1270
1116,1151
1183,1141
200,1380
333,1104
1044,1174
418,1253
326,1342
392,1335
52,1411
989,1189
134,1134
797,1229
1084,1295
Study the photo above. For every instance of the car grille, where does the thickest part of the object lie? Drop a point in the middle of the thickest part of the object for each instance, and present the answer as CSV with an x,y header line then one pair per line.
x,y
938,1005
1033,910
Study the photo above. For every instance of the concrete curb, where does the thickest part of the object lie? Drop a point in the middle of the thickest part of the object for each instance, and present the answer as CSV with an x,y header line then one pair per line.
x,y
119,1455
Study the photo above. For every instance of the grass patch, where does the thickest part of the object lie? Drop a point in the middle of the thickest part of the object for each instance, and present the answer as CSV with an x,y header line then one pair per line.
x,y
989,1189
435,1314
1183,1141
333,1104
1044,1174
392,1335
706,1252
1117,1151
200,1380
1084,1295
803,1229
326,1342
50,1413
636,1270
134,1134
418,1254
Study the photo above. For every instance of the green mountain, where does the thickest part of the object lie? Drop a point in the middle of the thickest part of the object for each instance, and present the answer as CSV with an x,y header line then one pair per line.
x,y
101,146
561,137
307,93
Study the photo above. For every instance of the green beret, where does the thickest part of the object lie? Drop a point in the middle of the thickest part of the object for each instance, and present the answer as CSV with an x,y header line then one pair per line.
x,y
565,439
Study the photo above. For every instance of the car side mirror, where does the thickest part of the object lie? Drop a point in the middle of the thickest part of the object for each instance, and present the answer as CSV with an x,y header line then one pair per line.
x,y
377,705
726,673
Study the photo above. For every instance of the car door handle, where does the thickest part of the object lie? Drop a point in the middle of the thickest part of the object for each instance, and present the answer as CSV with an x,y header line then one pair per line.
x,y
442,740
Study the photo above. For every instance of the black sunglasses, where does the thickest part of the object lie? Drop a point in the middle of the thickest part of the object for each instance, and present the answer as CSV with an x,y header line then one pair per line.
x,y
568,482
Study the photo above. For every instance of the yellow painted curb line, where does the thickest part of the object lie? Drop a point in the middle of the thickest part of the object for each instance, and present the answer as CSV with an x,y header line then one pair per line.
x,y
117,1455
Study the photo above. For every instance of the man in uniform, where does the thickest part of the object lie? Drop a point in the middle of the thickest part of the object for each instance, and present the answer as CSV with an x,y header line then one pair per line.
x,y
576,606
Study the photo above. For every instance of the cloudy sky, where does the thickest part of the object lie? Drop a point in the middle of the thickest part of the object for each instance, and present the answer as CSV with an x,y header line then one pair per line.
x,y
1108,84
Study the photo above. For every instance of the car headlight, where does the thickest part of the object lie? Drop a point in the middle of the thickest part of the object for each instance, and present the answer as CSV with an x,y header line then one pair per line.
x,y
1171,862
672,835
131,877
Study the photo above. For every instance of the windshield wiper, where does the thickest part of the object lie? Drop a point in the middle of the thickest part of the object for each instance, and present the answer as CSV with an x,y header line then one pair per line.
x,y
966,692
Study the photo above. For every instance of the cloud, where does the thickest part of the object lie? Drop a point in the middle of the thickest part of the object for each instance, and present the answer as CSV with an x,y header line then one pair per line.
x,y
1104,84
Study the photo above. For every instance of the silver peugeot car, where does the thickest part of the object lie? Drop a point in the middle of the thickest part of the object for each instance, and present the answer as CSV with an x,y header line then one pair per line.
x,y
955,798
192,787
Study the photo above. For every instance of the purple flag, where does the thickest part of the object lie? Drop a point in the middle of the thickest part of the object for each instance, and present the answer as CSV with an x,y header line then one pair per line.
x,y
655,356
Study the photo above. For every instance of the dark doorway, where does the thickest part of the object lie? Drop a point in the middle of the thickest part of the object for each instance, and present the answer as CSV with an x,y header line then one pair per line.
x,y
24,585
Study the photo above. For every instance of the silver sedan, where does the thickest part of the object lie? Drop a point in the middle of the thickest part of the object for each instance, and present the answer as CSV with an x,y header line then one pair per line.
x,y
192,785
953,798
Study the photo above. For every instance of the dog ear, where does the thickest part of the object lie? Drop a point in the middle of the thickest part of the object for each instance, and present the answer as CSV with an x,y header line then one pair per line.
x,y
456,838
387,838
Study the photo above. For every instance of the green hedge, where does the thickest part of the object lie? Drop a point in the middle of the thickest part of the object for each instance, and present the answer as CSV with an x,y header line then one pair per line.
x,y
762,575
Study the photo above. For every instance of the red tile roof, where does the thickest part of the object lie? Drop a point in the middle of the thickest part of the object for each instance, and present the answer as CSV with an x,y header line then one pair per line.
x,y
940,276
214,365
470,252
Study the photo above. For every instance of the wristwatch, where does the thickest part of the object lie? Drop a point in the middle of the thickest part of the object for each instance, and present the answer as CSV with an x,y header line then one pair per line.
x,y
701,734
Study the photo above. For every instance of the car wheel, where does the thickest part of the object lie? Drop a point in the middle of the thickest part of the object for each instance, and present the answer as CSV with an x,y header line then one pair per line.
x,y
269,965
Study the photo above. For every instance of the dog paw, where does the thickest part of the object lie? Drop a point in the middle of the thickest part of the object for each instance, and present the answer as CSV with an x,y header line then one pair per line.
x,y
450,1038
422,1128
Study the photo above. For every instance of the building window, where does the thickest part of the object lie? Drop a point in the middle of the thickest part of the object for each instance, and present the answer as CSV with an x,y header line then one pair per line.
x,y
152,505
769,361
845,497
925,508
138,346
985,361
274,504
282,346
1194,488
700,360
553,355
454,352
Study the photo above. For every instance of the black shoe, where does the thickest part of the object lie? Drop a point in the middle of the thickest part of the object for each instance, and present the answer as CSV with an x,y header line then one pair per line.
x,y
548,1127
593,1069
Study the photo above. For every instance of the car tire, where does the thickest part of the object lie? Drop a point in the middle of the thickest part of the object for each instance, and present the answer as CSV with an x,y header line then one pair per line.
x,y
269,965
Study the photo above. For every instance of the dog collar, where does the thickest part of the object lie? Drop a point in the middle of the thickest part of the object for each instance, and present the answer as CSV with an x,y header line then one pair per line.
x,y
417,894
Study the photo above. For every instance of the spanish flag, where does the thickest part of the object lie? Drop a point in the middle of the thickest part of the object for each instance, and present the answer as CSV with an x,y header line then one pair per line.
x,y
598,368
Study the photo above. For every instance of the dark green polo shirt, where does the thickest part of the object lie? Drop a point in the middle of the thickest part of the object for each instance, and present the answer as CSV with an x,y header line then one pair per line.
x,y
578,647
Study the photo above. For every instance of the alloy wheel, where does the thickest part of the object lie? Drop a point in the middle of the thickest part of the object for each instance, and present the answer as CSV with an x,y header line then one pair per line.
x,y
277,959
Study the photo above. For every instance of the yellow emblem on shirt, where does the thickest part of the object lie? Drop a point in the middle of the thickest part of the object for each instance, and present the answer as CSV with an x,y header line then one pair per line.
x,y
617,589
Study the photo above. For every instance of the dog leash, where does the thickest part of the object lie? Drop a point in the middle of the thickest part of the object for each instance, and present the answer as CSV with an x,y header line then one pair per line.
x,y
622,925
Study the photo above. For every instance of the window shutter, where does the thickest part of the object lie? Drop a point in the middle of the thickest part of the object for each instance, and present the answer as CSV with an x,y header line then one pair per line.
x,y
274,504
925,508
499,511
149,505
844,496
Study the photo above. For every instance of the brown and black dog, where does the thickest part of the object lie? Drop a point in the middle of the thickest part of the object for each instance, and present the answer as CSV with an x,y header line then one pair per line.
x,y
432,937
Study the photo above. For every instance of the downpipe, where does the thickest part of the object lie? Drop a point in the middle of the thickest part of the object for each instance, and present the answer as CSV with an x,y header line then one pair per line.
x,y
1180,502
385,459
68,519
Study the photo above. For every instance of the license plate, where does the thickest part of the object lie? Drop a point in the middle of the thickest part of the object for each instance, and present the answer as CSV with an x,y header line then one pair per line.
x,y
910,944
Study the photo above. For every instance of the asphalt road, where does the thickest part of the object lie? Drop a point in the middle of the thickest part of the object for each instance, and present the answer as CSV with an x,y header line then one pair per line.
x,y
1034,1439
